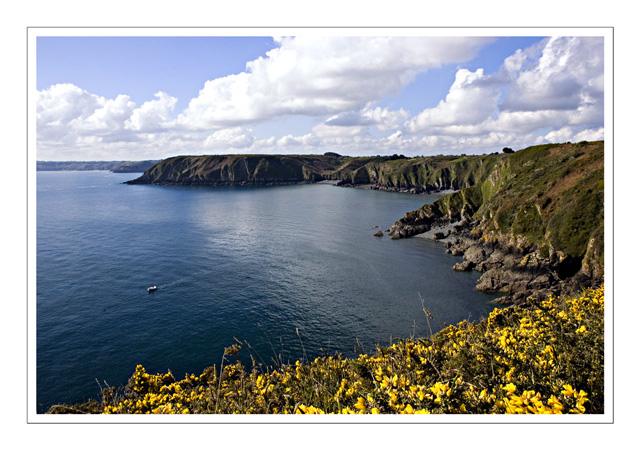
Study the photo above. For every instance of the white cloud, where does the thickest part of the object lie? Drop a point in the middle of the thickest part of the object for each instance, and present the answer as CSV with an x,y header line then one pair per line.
x,y
68,116
558,84
328,131
152,115
62,103
569,134
470,101
314,77
230,138
567,72
63,107
109,117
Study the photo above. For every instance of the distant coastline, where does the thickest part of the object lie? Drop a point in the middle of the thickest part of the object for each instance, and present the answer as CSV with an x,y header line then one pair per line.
x,y
111,166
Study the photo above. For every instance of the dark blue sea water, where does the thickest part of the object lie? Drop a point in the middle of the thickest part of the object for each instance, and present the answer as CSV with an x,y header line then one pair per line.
x,y
252,263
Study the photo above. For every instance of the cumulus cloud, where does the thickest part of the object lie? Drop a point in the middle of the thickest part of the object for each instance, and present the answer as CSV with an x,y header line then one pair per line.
x,y
237,137
314,77
111,115
153,115
64,107
568,133
558,84
470,101
69,116
567,72
62,103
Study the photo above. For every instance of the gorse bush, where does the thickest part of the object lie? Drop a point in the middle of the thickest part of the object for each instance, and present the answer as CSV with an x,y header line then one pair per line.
x,y
546,358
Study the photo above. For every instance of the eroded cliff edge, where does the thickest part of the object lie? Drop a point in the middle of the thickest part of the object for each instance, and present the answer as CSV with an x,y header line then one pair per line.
x,y
534,226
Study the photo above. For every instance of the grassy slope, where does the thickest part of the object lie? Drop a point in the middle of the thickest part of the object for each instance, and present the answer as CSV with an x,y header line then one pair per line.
x,y
550,196
553,195
439,172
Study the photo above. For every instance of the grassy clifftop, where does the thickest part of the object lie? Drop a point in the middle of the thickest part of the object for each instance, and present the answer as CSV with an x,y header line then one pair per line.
x,y
422,174
545,201
551,196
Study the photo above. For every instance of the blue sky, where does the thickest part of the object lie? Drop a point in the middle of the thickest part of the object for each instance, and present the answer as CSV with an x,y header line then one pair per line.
x,y
137,97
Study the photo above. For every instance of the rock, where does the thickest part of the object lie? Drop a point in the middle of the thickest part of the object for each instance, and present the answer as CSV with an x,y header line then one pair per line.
x,y
378,233
465,266
475,253
438,235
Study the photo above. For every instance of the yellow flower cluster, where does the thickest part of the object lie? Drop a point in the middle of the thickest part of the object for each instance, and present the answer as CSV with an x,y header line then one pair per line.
x,y
546,358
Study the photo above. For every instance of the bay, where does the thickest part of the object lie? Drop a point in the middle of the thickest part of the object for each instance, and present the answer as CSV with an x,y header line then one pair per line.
x,y
293,272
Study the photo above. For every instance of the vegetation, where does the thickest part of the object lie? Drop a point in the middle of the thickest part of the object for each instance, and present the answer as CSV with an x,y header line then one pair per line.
x,y
546,358
550,197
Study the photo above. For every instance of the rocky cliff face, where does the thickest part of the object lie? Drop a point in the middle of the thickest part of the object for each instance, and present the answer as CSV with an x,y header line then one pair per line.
x,y
533,226
237,170
394,173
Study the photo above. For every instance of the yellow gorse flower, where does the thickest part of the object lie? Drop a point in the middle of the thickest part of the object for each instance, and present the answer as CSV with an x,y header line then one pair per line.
x,y
514,362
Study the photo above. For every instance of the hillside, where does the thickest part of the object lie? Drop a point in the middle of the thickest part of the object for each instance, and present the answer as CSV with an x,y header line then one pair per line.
x,y
219,170
536,221
420,174
396,173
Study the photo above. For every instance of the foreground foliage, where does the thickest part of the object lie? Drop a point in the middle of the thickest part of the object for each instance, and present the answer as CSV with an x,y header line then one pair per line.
x,y
547,358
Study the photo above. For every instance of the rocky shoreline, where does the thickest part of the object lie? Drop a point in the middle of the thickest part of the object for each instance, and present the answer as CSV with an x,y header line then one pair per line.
x,y
406,190
509,266
207,183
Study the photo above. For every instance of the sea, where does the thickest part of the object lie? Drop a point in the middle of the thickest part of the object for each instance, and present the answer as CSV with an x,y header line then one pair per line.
x,y
289,272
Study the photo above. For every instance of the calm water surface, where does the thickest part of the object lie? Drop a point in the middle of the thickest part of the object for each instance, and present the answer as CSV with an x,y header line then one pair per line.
x,y
252,263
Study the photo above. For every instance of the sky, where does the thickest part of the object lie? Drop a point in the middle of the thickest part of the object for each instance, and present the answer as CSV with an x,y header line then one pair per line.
x,y
143,97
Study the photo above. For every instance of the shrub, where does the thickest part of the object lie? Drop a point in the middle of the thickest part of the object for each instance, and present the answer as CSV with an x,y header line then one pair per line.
x,y
545,358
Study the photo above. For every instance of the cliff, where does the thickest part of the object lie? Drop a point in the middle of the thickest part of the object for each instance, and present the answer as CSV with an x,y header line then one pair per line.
x,y
421,174
534,224
220,170
397,173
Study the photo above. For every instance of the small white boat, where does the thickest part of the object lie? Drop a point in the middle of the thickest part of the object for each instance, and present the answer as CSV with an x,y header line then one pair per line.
x,y
152,288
